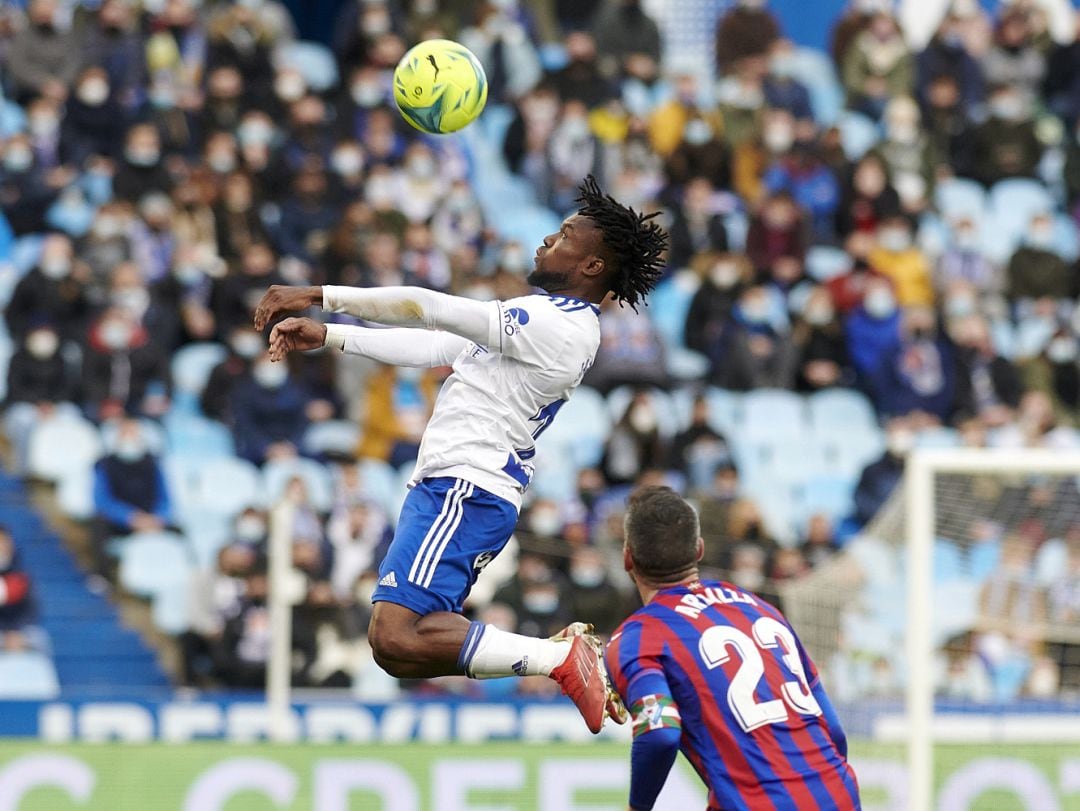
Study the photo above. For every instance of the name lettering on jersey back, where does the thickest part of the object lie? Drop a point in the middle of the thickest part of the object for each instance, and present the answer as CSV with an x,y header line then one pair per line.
x,y
691,605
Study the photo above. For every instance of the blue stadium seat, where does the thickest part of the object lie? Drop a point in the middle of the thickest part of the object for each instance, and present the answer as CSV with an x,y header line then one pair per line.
x,y
331,436
27,676
841,408
773,413
191,367
381,483
206,533
581,428
227,485
849,452
619,398
170,609
63,445
815,71
555,477
1019,199
191,435
314,61
825,262
959,197
276,475
669,304
151,562
525,224
831,495
152,432
858,134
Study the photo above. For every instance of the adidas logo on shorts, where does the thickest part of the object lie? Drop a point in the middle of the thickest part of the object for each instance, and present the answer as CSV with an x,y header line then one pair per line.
x,y
389,580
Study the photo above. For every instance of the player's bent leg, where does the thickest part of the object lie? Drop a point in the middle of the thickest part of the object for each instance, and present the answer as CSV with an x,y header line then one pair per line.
x,y
408,645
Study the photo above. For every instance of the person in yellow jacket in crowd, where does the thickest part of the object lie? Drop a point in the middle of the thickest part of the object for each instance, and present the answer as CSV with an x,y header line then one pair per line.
x,y
896,257
397,402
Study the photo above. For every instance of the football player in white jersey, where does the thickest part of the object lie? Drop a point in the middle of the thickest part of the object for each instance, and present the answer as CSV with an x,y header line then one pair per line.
x,y
514,364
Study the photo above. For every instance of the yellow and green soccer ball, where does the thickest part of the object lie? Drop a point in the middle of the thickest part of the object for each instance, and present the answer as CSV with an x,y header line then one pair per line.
x,y
439,86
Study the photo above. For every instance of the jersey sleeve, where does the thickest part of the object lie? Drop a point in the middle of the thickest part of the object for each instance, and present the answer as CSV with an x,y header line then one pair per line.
x,y
532,330
635,650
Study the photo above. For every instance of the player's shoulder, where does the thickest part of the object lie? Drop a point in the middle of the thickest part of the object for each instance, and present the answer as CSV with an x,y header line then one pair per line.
x,y
546,305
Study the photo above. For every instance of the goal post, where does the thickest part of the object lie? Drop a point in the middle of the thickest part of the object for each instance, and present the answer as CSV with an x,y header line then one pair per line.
x,y
923,512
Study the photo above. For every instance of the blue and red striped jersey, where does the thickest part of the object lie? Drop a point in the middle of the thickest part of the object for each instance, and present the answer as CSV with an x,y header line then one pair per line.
x,y
754,720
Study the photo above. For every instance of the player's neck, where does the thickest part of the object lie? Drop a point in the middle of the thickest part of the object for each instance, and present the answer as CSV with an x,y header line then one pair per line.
x,y
649,589
590,295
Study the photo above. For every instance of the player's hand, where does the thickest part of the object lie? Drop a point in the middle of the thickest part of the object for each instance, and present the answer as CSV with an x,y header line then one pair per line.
x,y
282,299
295,335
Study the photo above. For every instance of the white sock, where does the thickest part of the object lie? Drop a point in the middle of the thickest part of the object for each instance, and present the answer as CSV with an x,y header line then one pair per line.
x,y
489,653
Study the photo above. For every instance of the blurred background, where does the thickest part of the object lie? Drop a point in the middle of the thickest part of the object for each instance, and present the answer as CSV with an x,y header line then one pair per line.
x,y
874,249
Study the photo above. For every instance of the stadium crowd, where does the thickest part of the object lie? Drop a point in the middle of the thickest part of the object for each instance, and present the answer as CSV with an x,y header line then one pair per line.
x,y
163,163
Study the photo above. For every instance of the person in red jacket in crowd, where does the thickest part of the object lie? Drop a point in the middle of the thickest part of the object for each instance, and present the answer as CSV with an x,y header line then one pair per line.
x,y
17,610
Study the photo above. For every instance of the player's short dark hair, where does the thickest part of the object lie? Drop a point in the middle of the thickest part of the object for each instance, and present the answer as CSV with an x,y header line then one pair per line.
x,y
635,245
661,533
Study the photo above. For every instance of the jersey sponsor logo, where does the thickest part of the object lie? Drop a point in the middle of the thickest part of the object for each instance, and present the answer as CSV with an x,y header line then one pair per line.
x,y
389,580
514,319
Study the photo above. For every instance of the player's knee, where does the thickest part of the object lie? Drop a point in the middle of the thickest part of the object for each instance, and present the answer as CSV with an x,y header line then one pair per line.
x,y
392,644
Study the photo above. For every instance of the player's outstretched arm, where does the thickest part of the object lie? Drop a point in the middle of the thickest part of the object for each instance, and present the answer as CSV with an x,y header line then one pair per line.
x,y
295,335
399,347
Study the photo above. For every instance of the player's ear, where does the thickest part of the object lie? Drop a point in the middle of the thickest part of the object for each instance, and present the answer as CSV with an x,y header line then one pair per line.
x,y
700,550
627,561
594,266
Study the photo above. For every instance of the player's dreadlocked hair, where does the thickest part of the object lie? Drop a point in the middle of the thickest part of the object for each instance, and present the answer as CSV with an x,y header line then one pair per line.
x,y
636,244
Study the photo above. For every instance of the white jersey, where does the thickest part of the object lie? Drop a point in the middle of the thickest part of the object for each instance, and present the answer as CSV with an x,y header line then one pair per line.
x,y
500,398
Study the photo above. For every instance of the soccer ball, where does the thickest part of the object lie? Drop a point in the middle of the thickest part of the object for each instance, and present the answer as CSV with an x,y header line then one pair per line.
x,y
439,86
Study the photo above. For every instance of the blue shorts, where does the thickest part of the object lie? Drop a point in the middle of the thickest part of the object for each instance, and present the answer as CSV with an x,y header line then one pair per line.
x,y
448,530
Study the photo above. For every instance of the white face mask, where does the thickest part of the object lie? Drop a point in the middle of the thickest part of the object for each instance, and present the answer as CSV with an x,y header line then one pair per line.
x,y
55,267
1062,350
422,167
42,344
93,92
18,159
818,315
247,345
967,239
130,450
270,375
575,128
43,124
779,138
540,601
347,162
879,303
960,306
188,274
138,156
697,132
366,94
1041,237
221,162
894,239
724,275
1009,108
900,442
642,418
255,133
289,87
135,300
545,522
587,577
250,528
755,312
116,335
904,132
107,227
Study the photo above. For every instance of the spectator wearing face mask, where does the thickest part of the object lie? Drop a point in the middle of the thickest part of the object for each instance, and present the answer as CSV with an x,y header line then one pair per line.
x,y
346,175
877,67
235,295
907,152
592,594
43,129
241,38
872,328
700,450
818,337
423,184
141,170
948,124
43,59
879,478
130,492
28,188
1035,270
964,262
900,261
307,216
360,535
987,384
723,277
947,55
776,232
1056,373
1014,58
700,154
635,443
93,125
123,370
38,380
581,78
572,149
868,198
803,174
918,374
50,292
502,45
396,404
1005,144
754,348
269,412
114,43
630,351
697,226
536,597
783,90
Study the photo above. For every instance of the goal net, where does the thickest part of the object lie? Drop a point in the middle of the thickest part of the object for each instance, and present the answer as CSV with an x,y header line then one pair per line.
x,y
954,617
